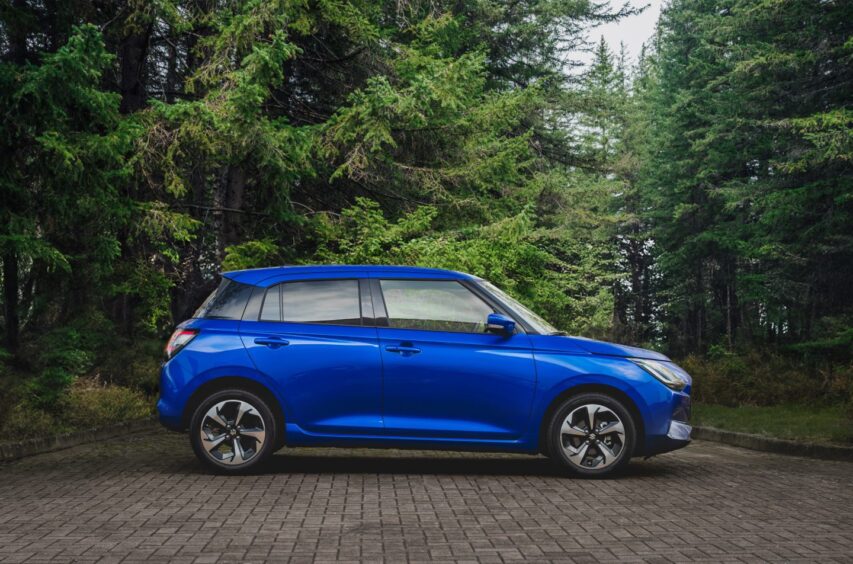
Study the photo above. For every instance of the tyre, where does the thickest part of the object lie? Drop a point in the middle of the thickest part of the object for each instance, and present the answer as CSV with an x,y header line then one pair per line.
x,y
592,434
233,431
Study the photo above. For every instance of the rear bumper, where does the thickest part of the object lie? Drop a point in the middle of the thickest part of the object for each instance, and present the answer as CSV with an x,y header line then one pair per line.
x,y
169,408
170,417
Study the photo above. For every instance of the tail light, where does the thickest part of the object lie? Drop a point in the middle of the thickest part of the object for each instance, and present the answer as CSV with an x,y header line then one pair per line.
x,y
179,339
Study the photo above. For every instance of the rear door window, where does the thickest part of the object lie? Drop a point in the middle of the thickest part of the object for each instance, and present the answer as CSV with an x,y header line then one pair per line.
x,y
328,302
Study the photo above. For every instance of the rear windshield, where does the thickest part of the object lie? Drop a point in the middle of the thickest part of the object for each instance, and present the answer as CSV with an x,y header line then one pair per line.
x,y
226,302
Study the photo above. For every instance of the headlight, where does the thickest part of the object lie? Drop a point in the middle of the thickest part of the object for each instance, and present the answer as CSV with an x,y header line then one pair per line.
x,y
662,372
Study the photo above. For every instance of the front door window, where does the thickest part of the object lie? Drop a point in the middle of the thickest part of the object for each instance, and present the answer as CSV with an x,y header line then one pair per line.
x,y
434,305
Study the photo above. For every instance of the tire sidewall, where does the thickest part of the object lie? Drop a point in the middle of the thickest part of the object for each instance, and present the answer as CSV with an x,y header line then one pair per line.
x,y
555,448
270,428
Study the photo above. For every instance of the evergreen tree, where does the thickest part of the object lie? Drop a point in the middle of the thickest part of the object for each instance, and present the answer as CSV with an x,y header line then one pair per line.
x,y
748,183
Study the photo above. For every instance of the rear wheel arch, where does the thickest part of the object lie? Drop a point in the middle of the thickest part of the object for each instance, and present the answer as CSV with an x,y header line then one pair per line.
x,y
611,391
231,382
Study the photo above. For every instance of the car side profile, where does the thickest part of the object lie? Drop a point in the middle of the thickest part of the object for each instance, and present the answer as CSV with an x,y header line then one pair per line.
x,y
405,357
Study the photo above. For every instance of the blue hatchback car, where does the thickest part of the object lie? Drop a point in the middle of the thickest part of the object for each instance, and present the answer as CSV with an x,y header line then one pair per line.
x,y
386,356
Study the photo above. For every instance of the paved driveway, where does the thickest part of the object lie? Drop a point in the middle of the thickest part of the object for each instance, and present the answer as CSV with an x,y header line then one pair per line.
x,y
144,498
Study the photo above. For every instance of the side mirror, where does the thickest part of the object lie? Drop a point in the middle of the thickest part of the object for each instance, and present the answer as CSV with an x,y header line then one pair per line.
x,y
499,323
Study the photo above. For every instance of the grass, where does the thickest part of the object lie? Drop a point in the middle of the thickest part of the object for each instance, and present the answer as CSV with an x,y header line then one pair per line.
x,y
814,424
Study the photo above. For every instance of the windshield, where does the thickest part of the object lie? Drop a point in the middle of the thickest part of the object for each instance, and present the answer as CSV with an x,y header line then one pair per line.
x,y
534,321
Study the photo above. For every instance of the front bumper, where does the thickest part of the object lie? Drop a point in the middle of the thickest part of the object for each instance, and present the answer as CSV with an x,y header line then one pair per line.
x,y
677,436
668,427
679,431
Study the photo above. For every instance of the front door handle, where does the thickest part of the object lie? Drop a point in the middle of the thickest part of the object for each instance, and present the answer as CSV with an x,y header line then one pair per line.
x,y
272,342
405,350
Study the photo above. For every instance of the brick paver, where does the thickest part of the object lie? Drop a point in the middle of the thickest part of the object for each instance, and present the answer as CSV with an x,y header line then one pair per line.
x,y
145,498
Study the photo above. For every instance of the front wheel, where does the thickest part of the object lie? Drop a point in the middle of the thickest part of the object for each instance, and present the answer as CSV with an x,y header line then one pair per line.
x,y
592,434
233,431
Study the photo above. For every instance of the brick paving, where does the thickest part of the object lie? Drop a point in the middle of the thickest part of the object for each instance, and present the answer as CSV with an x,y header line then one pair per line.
x,y
145,498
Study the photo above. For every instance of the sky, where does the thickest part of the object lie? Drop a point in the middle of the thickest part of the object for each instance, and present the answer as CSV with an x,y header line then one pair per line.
x,y
633,30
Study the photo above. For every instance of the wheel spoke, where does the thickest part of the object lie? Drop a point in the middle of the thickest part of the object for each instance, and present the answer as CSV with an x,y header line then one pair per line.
x,y
578,454
239,453
606,453
258,434
569,429
216,416
613,427
243,409
210,442
591,410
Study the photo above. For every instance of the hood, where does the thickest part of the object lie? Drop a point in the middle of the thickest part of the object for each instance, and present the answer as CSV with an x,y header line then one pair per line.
x,y
592,346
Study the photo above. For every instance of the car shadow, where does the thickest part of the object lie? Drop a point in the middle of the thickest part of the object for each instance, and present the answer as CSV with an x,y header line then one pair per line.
x,y
289,463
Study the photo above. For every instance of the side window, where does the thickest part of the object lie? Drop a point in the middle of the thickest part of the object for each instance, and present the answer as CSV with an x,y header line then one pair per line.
x,y
330,302
226,302
434,305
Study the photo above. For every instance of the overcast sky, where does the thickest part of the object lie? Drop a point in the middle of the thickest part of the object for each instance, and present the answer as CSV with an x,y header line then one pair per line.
x,y
633,31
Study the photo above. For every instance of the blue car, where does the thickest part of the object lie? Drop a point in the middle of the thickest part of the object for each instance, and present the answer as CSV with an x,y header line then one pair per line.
x,y
388,356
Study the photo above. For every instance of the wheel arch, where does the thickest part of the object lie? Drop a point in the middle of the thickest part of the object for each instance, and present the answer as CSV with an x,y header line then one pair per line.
x,y
605,389
242,383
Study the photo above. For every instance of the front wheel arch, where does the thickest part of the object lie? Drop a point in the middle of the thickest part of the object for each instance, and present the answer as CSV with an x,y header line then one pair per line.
x,y
615,393
231,382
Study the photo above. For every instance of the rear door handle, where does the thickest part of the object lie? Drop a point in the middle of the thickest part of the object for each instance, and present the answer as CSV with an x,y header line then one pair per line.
x,y
402,349
272,342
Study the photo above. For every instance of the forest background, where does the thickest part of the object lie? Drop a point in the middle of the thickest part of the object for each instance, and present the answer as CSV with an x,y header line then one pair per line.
x,y
697,201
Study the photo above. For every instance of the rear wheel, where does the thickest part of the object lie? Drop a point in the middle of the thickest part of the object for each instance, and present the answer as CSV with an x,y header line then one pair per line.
x,y
233,431
592,434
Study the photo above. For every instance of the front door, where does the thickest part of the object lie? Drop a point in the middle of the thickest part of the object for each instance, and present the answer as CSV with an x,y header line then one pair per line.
x,y
311,339
444,375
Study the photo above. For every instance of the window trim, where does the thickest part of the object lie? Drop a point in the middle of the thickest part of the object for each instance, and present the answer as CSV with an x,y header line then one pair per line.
x,y
253,306
264,302
381,316
281,320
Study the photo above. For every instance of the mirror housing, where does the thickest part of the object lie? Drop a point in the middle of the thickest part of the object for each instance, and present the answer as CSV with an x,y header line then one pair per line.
x,y
499,323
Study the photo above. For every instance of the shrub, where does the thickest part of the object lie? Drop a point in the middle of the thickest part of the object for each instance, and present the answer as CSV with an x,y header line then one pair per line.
x,y
763,378
92,403
63,355
25,422
134,364
88,403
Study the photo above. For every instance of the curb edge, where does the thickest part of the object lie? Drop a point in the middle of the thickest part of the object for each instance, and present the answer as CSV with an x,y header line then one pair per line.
x,y
40,445
768,444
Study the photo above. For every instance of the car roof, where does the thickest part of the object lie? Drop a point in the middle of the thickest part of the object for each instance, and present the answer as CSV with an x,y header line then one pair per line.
x,y
256,276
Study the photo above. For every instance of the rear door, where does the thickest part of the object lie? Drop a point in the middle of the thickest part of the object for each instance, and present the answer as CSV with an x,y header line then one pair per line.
x,y
313,340
445,376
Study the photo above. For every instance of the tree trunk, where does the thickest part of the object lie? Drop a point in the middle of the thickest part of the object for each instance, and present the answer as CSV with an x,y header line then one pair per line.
x,y
133,52
17,32
233,231
10,299
171,67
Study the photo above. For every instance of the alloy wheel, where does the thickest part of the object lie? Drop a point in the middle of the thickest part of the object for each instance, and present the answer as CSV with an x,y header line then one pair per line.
x,y
592,436
232,432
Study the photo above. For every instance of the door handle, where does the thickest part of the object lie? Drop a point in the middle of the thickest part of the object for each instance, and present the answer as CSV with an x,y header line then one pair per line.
x,y
405,350
272,342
